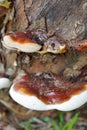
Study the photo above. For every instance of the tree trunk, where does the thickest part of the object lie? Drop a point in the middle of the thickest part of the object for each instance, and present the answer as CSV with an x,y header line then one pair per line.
x,y
67,17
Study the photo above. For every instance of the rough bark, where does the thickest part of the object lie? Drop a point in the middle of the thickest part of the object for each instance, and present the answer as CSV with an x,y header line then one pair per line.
x,y
66,17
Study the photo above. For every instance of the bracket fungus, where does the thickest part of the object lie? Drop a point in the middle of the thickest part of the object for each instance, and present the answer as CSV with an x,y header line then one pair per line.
x,y
31,41
54,45
46,91
82,45
21,41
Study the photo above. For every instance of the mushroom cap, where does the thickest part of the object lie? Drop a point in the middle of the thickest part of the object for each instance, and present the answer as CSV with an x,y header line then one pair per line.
x,y
51,93
20,41
82,45
54,45
4,82
32,102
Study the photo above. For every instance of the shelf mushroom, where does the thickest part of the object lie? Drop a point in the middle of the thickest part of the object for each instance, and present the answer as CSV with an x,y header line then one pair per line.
x,y
54,45
46,91
4,81
29,41
21,41
82,45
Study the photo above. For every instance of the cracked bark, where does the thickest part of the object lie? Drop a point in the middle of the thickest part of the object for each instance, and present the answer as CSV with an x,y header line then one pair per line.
x,y
66,18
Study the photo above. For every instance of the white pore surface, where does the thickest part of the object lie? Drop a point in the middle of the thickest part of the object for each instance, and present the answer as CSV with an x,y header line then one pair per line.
x,y
4,83
32,47
34,103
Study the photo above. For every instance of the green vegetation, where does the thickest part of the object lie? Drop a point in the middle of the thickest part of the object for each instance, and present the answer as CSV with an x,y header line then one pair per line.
x,y
57,124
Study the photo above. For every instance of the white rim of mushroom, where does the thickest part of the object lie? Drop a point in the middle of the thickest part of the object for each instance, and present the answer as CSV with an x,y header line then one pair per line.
x,y
26,42
34,103
21,43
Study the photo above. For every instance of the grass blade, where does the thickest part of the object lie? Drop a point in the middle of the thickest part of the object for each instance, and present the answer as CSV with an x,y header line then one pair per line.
x,y
71,123
55,125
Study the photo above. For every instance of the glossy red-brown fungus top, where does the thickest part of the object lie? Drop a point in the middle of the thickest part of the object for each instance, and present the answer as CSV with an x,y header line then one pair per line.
x,y
82,45
48,87
22,37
